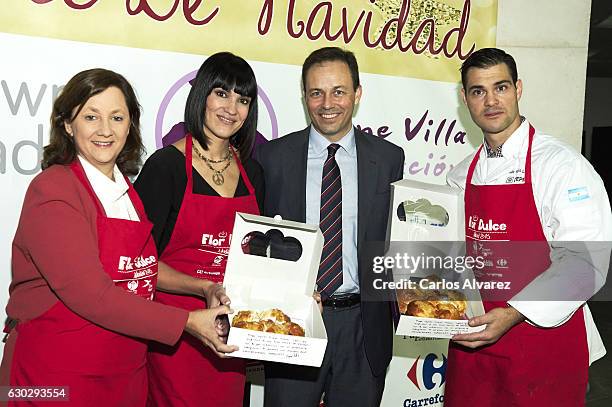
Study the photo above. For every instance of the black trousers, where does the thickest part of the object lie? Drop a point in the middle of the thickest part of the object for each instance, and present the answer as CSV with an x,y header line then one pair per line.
x,y
345,377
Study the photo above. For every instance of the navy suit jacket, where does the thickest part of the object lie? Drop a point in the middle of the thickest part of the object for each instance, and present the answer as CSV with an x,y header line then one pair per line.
x,y
379,163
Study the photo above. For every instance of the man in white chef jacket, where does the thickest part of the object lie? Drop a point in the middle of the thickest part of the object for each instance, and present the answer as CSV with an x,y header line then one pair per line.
x,y
534,349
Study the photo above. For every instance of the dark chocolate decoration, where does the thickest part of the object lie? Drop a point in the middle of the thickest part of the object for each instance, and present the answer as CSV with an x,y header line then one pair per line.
x,y
401,212
256,243
272,244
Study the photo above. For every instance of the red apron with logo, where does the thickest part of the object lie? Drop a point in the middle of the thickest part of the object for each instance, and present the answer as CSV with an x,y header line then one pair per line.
x,y
528,366
59,348
189,373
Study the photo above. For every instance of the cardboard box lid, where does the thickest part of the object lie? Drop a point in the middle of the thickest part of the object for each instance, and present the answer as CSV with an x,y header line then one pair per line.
x,y
266,275
436,212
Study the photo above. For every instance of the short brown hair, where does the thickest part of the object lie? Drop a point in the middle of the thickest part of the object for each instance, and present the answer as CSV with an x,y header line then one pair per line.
x,y
330,54
78,90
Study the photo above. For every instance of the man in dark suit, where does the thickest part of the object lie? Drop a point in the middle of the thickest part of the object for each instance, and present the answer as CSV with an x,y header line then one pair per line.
x,y
337,176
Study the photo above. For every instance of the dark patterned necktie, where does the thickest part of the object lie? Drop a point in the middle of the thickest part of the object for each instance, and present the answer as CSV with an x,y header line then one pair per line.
x,y
329,278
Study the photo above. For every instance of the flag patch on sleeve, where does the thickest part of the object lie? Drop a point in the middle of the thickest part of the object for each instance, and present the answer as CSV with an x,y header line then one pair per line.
x,y
578,194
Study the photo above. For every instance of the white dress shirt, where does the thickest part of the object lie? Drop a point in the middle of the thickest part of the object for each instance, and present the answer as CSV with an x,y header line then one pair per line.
x,y
112,194
573,206
346,157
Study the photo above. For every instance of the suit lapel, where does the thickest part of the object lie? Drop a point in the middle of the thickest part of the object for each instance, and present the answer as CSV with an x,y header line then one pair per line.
x,y
367,173
296,166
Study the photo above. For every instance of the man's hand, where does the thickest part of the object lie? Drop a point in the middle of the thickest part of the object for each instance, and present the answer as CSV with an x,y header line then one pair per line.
x,y
317,297
202,325
498,322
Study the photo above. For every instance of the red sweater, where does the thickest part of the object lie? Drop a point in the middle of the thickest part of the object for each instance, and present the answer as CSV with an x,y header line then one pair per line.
x,y
55,258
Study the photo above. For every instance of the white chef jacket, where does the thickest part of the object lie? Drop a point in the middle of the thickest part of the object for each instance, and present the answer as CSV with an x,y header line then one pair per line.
x,y
573,207
112,194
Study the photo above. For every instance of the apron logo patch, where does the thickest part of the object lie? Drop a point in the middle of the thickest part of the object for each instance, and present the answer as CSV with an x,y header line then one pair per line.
x,y
208,239
143,273
473,221
148,285
132,285
126,264
578,194
485,226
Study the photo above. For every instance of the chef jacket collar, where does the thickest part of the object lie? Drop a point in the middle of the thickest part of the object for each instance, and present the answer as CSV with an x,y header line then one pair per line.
x,y
514,146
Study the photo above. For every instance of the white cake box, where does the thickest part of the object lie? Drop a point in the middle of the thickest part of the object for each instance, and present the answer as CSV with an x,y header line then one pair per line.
x,y
426,212
256,283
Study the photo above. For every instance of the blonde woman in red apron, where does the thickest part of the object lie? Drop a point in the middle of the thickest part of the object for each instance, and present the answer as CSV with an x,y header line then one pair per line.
x,y
192,191
542,361
84,262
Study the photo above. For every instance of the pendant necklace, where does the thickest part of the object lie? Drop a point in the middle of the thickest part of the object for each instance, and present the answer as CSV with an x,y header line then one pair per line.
x,y
217,177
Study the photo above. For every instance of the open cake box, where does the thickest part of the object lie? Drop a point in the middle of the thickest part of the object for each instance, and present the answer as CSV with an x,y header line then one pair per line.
x,y
431,213
257,282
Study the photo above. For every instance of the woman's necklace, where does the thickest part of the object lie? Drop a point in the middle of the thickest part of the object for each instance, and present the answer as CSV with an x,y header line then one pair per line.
x,y
217,177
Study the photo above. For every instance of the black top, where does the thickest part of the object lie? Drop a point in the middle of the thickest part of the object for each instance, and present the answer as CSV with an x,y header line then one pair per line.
x,y
162,182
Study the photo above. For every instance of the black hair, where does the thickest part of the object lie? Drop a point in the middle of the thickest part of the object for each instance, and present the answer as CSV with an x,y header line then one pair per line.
x,y
229,72
486,58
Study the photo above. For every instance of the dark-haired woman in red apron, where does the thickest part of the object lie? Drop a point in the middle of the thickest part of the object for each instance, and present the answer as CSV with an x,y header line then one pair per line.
x,y
189,374
192,191
528,365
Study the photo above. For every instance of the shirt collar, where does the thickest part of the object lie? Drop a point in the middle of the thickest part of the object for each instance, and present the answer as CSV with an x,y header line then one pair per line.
x,y
106,189
318,143
512,146
493,152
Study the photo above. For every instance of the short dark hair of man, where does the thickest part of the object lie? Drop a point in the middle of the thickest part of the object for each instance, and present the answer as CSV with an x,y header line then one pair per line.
x,y
486,58
82,86
329,54
229,72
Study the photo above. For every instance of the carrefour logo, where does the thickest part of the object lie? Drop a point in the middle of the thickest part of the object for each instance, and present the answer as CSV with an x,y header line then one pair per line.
x,y
429,372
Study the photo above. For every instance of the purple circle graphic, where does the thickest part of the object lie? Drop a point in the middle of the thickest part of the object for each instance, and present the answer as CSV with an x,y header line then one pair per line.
x,y
159,120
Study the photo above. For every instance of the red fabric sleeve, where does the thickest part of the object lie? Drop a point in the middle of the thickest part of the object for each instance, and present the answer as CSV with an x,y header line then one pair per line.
x,y
56,233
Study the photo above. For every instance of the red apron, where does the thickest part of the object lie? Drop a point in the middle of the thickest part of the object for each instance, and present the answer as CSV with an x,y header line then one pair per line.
x,y
189,374
59,348
528,366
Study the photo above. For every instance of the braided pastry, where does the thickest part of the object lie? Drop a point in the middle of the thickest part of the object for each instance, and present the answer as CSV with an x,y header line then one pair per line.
x,y
272,320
